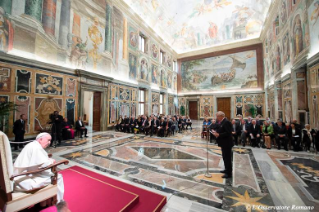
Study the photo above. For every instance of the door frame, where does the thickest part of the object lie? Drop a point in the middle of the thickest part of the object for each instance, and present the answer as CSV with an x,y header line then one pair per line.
x,y
103,105
193,99
232,103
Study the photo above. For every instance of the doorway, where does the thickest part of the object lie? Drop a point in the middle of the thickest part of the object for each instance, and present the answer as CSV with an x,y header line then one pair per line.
x,y
92,110
193,110
223,104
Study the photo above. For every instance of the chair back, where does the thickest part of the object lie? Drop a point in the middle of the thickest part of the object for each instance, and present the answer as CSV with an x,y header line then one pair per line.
x,y
6,163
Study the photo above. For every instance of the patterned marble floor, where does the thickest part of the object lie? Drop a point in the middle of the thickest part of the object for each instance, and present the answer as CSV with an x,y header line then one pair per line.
x,y
175,166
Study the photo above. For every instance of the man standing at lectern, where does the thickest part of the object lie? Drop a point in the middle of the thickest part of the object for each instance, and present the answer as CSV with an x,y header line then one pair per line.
x,y
224,139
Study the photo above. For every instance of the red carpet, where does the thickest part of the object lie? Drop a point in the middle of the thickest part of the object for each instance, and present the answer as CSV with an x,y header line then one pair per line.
x,y
84,191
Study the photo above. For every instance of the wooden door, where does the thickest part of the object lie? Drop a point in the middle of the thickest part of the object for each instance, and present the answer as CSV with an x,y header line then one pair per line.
x,y
193,110
96,111
223,104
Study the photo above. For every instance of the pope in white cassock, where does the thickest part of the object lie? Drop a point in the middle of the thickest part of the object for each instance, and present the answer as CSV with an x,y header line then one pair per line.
x,y
33,155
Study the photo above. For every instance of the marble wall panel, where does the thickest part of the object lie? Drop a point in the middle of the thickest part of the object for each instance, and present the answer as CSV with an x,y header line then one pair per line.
x,y
23,81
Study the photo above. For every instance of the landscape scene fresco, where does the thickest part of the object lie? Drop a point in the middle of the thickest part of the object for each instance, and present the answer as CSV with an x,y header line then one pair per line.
x,y
231,71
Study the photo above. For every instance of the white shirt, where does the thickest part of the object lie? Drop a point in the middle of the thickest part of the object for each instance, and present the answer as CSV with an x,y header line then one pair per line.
x,y
80,122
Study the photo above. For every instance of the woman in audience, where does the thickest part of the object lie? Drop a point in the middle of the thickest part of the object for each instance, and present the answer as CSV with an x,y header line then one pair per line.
x,y
308,137
67,131
138,125
268,133
294,135
206,123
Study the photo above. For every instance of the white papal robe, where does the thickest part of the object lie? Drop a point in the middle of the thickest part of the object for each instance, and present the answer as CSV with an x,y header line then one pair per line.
x,y
32,157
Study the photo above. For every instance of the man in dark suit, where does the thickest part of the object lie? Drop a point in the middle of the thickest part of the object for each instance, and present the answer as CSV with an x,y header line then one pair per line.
x,y
254,132
80,126
281,134
126,127
56,130
235,131
19,130
154,126
225,141
243,132
132,124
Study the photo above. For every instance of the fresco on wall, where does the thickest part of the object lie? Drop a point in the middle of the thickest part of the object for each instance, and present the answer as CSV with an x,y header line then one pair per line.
x,y
144,69
154,51
6,32
197,23
5,80
283,12
313,15
133,66
232,71
48,84
163,78
297,36
124,109
169,80
133,38
155,74
286,49
23,81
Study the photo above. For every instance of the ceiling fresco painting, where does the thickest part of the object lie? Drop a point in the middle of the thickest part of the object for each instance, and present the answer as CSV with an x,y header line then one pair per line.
x,y
189,25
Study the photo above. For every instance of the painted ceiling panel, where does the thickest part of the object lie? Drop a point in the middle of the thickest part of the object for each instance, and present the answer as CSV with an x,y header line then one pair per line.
x,y
189,25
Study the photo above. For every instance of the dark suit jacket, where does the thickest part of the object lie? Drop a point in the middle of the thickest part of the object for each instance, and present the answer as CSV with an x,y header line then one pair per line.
x,y
18,127
225,139
153,123
77,124
297,132
280,130
255,130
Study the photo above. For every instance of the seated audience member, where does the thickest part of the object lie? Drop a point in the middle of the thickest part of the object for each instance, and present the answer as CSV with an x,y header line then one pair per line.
x,y
174,127
183,122
119,123
32,155
132,124
188,123
138,125
254,132
295,122
144,124
60,207
258,121
294,134
79,125
235,131
169,124
213,127
67,131
154,126
268,132
244,132
308,137
206,123
147,126
281,135
126,126
161,128
180,124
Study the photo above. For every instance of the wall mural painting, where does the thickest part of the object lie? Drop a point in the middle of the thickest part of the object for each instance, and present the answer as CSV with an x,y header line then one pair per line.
x,y
154,51
144,67
169,80
133,66
155,98
24,103
279,95
134,95
175,83
169,61
155,74
301,89
133,109
44,107
278,59
192,28
113,112
163,78
286,49
124,109
23,81
5,79
297,44
124,93
287,102
232,71
155,109
133,38
118,21
71,87
313,16
6,32
283,12
113,92
48,84
70,111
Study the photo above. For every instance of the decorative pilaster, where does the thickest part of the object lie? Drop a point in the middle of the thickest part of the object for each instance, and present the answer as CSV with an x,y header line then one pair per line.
x,y
108,28
48,16
65,23
33,8
125,39
6,5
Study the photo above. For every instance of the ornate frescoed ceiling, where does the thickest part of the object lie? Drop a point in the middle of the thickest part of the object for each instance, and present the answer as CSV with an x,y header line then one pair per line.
x,y
189,25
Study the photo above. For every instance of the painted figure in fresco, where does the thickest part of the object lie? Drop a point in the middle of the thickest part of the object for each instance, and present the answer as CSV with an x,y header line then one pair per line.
x,y
288,111
212,30
154,74
154,51
315,13
6,32
133,39
298,42
144,69
169,81
286,49
283,12
155,110
278,60
79,54
133,60
96,37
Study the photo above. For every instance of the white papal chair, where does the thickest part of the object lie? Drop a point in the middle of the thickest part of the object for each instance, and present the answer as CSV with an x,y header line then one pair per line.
x,y
11,200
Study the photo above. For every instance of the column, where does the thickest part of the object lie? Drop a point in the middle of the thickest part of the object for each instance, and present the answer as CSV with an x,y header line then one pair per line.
x,y
33,8
6,5
65,23
108,28
125,39
48,16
